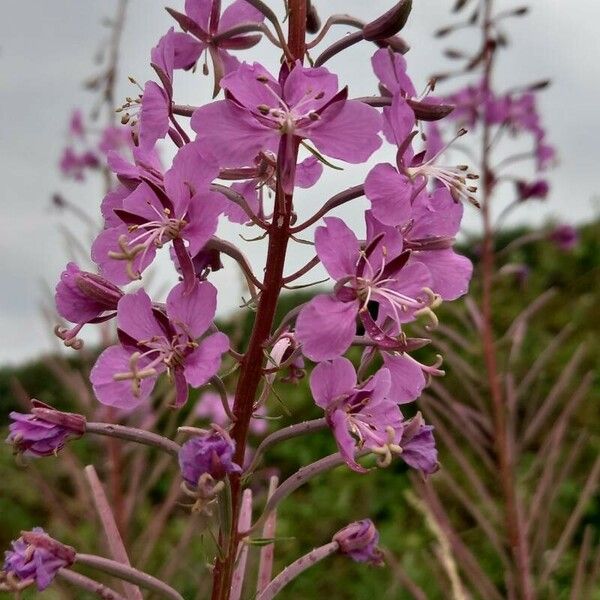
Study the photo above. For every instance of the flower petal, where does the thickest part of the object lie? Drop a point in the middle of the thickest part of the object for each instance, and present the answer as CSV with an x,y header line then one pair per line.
x,y
325,327
390,194
204,361
113,360
337,247
349,132
407,377
332,379
192,311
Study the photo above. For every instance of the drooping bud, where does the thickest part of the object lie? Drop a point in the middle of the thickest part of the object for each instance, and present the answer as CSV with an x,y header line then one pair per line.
x,y
82,296
359,541
36,557
44,431
389,23
208,454
429,111
313,22
418,445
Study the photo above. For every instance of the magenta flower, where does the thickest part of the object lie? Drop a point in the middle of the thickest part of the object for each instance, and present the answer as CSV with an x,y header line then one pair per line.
x,y
37,557
202,22
535,189
258,114
153,341
418,445
151,216
360,416
359,541
393,188
429,234
209,454
76,125
390,69
74,165
381,272
44,431
156,101
82,297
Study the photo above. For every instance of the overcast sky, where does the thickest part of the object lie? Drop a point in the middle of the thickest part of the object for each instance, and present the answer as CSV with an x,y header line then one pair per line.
x,y
46,51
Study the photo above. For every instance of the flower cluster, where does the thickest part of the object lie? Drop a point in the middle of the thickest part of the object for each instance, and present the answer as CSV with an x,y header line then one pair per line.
x,y
241,157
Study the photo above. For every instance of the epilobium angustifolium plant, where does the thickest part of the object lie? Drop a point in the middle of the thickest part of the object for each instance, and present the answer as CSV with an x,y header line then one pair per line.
x,y
270,130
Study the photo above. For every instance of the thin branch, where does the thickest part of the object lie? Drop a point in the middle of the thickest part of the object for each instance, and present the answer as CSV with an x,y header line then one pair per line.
x,y
267,553
132,434
127,573
113,537
311,264
89,585
281,435
346,196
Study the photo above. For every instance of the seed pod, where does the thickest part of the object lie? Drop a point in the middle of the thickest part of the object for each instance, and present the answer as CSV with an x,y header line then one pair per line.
x,y
389,23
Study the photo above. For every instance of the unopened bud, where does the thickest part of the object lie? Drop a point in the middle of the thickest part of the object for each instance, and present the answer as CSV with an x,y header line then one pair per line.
x,y
389,23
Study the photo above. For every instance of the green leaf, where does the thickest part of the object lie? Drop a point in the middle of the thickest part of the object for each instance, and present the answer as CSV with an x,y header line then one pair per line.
x,y
320,157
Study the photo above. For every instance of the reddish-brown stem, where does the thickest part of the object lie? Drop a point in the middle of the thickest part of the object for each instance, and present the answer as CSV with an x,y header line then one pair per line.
x,y
504,445
252,364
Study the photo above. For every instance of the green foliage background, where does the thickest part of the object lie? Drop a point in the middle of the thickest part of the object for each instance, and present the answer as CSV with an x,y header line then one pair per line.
x,y
329,502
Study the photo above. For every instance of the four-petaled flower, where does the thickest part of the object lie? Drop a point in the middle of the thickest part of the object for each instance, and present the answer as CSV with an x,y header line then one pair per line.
x,y
203,21
260,114
379,272
150,216
154,341
361,416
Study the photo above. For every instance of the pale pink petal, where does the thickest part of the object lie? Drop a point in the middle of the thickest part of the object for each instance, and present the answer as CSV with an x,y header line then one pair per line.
x,y
204,361
450,272
232,133
112,361
349,132
308,172
240,12
407,377
325,327
337,247
186,50
390,194
192,311
331,379
136,318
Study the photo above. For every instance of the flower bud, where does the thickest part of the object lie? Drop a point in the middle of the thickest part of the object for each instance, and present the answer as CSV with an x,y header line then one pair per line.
x,y
44,431
313,22
359,541
37,557
429,111
565,237
82,296
536,189
389,23
209,454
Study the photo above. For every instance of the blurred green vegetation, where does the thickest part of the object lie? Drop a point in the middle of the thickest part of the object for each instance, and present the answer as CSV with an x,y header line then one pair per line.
x,y
43,494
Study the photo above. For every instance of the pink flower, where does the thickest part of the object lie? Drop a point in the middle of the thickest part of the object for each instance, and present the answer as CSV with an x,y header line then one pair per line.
x,y
150,216
202,22
360,416
83,297
393,188
261,115
153,341
381,272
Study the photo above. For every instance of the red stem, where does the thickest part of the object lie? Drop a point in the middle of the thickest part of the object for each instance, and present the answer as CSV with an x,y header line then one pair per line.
x,y
251,369
504,444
